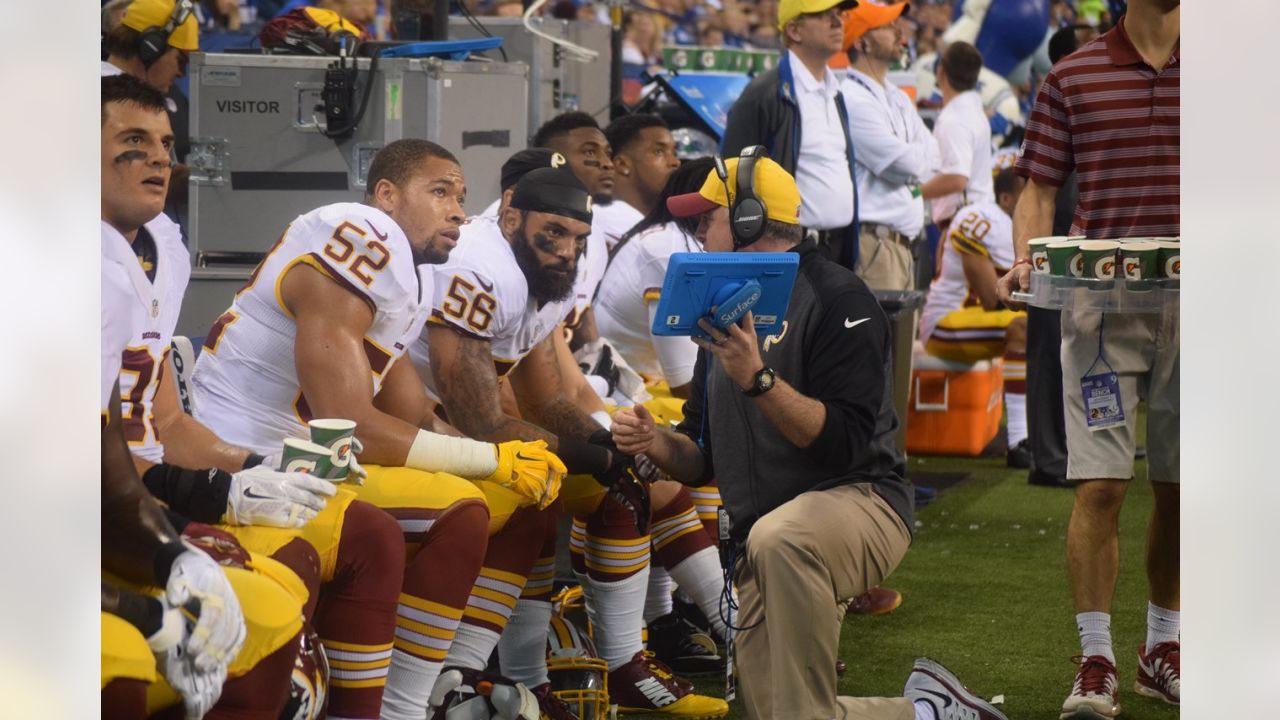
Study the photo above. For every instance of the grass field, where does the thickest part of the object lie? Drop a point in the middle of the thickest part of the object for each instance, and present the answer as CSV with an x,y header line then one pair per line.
x,y
985,592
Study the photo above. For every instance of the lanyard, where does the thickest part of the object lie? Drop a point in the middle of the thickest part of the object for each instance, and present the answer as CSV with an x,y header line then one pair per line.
x,y
1101,358
892,126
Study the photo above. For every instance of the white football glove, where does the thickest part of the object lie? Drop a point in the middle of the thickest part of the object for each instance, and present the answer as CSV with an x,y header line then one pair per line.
x,y
263,496
199,690
357,474
219,631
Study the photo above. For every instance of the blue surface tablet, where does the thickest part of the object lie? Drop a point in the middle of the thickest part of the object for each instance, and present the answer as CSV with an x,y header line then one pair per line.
x,y
759,282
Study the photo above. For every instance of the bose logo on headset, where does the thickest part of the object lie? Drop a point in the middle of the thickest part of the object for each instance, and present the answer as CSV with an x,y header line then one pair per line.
x,y
747,212
154,42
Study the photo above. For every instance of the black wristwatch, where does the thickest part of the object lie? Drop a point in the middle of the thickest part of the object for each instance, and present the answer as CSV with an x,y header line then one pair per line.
x,y
762,383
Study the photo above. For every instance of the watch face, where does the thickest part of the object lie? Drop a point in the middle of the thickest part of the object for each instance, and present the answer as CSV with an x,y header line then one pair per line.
x,y
766,380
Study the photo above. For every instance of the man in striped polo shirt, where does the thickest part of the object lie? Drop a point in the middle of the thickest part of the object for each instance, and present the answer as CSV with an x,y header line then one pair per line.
x,y
1110,112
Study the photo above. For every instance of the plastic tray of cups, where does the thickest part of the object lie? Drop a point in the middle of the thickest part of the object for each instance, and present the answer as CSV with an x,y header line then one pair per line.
x,y
1056,292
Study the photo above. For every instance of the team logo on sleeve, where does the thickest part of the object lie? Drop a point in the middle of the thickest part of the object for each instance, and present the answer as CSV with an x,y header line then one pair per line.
x,y
557,160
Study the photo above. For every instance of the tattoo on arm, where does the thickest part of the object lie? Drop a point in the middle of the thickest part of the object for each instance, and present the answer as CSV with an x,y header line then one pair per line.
x,y
542,394
468,386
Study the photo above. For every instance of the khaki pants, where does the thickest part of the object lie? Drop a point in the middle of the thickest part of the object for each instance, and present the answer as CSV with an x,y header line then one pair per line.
x,y
884,263
804,561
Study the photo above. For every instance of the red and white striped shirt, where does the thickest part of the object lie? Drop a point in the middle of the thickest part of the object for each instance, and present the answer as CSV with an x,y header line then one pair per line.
x,y
1114,119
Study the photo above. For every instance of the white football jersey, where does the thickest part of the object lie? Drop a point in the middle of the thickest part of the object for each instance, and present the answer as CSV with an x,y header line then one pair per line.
x,y
632,284
591,267
613,221
246,378
158,303
982,229
121,315
482,292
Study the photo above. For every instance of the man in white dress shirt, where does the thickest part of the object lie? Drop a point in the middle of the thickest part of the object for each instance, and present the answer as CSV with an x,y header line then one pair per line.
x,y
896,152
963,133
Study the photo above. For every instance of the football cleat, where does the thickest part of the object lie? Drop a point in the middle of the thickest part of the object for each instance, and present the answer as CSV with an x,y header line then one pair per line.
x,y
934,684
644,686
1093,695
1159,672
682,647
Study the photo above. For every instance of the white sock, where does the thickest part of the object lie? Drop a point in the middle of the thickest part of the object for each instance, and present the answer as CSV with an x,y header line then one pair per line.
x,y
616,610
1095,634
1016,407
471,647
657,600
409,683
1162,625
925,711
701,577
522,649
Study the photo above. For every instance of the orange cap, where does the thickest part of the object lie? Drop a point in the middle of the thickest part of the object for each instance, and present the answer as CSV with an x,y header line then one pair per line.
x,y
860,19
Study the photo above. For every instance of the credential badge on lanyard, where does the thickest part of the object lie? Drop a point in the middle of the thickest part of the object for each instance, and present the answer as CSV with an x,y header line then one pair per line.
x,y
1103,407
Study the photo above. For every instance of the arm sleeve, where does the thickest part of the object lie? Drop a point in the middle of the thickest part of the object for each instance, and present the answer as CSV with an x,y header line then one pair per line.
x,y
847,366
200,495
1047,155
693,424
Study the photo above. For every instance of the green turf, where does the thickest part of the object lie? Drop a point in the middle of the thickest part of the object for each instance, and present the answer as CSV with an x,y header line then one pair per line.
x,y
986,593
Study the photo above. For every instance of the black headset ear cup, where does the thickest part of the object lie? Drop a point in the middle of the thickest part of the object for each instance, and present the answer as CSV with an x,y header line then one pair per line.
x,y
748,213
152,45
748,221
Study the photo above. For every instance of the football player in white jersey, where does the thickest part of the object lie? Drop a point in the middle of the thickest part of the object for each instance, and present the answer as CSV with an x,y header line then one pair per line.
x,y
649,153
628,296
499,302
644,156
320,331
963,318
153,573
578,137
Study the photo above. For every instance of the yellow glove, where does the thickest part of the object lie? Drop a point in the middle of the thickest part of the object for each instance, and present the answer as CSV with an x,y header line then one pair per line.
x,y
530,470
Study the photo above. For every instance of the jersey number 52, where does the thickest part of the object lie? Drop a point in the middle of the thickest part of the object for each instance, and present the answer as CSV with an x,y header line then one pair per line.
x,y
342,248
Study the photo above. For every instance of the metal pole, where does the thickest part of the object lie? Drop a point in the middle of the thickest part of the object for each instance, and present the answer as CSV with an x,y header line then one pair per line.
x,y
615,61
440,20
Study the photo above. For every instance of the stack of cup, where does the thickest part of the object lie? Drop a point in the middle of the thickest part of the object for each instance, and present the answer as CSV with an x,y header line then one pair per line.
x,y
303,456
1039,251
1065,258
1099,259
327,455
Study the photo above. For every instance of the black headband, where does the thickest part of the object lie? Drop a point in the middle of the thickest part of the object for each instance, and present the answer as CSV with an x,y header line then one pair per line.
x,y
555,191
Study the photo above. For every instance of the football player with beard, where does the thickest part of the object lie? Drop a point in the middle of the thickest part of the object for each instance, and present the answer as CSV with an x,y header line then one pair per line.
x,y
495,321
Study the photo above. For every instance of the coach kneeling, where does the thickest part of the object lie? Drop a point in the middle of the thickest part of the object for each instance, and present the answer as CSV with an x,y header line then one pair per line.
x,y
798,428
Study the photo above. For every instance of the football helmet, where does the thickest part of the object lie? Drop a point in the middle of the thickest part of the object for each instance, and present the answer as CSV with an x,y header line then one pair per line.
x,y
579,678
309,684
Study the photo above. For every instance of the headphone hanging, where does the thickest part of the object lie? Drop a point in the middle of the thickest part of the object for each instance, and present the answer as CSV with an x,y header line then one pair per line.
x,y
154,41
748,213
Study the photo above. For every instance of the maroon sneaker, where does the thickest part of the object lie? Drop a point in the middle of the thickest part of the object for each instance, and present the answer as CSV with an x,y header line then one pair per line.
x,y
1159,672
876,601
644,686
1093,696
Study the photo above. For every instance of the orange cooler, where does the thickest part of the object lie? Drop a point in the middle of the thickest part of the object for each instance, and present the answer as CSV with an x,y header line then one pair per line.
x,y
954,408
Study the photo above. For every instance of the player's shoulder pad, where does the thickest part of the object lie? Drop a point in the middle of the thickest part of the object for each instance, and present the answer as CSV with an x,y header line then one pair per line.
x,y
362,249
481,289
